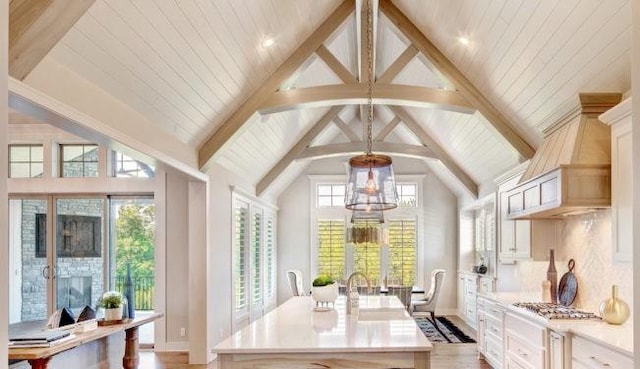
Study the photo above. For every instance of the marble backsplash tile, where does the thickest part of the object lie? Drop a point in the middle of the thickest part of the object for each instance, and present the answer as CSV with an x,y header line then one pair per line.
x,y
586,239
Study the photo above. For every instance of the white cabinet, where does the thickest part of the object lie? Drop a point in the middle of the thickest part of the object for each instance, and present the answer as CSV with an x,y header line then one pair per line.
x,y
487,284
522,239
619,117
491,331
558,351
469,283
525,343
590,355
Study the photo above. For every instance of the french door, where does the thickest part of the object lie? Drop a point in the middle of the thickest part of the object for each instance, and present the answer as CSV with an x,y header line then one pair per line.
x,y
57,254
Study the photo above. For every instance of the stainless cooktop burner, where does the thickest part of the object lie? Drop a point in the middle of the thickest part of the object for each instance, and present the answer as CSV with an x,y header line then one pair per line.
x,y
555,311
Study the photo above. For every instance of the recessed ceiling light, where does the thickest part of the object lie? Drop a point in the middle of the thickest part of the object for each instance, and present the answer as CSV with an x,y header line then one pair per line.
x,y
267,42
464,40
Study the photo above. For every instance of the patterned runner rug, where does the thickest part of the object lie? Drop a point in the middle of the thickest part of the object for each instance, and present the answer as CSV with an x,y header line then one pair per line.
x,y
452,334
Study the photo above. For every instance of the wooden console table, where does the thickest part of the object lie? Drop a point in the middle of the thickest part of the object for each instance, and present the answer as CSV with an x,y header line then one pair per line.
x,y
39,357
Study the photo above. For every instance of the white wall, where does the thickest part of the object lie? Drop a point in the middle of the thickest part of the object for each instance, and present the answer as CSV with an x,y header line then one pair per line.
x,y
635,87
4,244
587,240
439,219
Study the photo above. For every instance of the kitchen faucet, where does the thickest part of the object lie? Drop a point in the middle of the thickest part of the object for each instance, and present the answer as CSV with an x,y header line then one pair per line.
x,y
349,282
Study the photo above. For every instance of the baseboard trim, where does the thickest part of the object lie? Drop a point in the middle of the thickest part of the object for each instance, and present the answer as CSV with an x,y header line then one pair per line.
x,y
176,346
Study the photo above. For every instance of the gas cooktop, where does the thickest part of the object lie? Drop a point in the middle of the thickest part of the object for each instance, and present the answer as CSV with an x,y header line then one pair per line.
x,y
555,311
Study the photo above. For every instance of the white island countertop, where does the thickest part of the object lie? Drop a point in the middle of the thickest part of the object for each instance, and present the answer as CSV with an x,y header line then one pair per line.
x,y
295,335
382,324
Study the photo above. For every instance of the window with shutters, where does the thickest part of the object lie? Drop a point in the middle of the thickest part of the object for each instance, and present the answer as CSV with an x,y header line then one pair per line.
x,y
331,247
254,264
240,267
402,252
256,258
269,257
392,253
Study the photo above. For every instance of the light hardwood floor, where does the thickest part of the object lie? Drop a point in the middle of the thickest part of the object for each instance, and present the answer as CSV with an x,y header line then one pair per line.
x,y
444,356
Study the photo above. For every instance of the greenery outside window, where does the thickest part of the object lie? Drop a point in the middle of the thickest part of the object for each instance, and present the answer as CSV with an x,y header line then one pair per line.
x,y
26,161
79,160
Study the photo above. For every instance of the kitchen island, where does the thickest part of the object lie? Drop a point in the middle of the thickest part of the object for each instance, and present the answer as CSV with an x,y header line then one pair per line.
x,y
381,334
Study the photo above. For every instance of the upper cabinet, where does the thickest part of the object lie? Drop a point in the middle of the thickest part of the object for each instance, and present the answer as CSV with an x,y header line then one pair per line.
x,y
619,118
521,239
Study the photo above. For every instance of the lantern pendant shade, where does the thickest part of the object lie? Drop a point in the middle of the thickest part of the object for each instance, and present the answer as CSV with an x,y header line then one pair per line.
x,y
373,216
371,185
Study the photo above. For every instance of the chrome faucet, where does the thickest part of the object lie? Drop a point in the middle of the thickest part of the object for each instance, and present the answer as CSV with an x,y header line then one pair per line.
x,y
349,282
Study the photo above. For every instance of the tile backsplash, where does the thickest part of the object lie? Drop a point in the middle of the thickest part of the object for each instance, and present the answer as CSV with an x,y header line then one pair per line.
x,y
586,239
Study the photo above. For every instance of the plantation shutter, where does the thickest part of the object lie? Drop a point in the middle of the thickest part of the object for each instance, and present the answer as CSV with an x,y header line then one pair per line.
x,y
240,276
331,250
256,259
367,255
402,252
269,257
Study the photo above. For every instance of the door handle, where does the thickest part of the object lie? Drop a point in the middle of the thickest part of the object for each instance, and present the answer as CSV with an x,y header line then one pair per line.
x,y
45,272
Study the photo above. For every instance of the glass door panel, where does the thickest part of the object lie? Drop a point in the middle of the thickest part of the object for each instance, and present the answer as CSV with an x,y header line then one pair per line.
x,y
132,237
30,261
79,251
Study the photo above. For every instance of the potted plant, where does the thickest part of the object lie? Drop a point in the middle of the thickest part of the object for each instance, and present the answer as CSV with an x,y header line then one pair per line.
x,y
112,302
324,290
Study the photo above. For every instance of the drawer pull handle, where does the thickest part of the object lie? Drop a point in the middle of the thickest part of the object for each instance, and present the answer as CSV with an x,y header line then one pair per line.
x,y
600,362
522,353
493,329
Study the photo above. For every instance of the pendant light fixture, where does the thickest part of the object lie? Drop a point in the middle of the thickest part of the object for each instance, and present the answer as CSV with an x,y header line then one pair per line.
x,y
371,185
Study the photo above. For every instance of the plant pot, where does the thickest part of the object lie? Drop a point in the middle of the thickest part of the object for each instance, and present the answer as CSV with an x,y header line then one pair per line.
x,y
325,294
113,314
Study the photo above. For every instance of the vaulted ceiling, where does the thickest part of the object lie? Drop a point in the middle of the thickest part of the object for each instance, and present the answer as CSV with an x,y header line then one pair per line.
x,y
202,72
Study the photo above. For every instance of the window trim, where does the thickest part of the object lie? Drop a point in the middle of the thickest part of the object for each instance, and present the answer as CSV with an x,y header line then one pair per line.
x,y
31,161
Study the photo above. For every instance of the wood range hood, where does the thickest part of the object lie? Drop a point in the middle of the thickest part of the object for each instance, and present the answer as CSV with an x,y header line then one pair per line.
x,y
571,171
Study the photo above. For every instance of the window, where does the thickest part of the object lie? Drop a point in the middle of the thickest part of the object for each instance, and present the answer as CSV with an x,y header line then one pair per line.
x,y
330,195
127,167
240,276
402,252
389,252
407,196
26,161
331,248
269,257
79,160
254,264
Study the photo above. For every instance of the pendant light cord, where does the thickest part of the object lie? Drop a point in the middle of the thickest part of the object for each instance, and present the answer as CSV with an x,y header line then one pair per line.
x,y
369,73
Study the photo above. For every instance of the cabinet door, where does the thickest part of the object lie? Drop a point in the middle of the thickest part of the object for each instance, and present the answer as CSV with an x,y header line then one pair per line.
x,y
556,351
621,191
507,231
522,239
482,342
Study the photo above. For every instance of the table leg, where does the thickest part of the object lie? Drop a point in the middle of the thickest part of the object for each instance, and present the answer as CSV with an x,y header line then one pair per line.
x,y
131,359
39,363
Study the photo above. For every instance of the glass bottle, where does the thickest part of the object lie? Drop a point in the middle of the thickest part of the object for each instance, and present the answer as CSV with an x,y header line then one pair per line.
x,y
552,277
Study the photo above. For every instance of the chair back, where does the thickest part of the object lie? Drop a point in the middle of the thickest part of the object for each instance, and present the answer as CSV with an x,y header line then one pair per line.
x,y
295,282
437,278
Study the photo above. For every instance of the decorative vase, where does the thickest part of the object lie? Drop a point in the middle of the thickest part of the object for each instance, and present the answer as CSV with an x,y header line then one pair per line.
x,y
129,292
325,294
614,310
552,277
113,313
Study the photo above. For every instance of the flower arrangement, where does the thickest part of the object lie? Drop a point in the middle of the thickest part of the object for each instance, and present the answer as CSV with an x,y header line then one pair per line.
x,y
111,300
322,280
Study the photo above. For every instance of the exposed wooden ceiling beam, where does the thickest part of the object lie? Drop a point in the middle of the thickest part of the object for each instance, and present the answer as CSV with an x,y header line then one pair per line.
x,y
222,136
35,27
352,94
345,149
293,153
335,65
352,136
387,129
444,65
398,65
440,153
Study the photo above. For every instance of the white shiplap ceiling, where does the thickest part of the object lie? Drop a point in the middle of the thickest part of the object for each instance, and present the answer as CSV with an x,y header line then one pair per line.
x,y
187,65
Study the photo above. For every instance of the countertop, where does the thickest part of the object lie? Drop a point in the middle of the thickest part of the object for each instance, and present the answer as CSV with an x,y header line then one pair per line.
x,y
615,337
296,327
